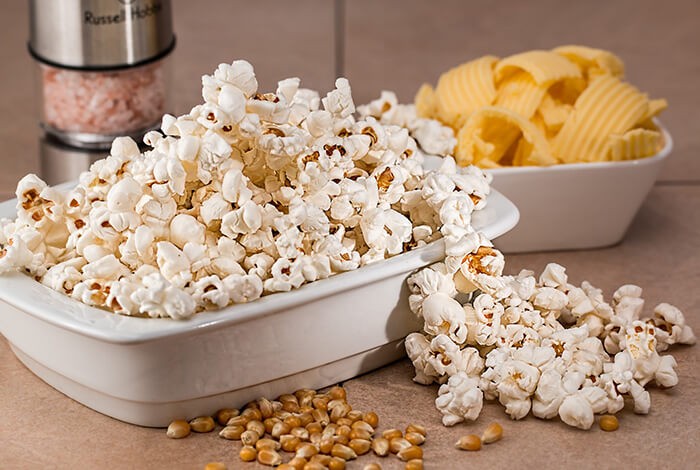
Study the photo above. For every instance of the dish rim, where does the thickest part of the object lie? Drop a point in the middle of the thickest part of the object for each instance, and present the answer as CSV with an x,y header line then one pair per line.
x,y
22,292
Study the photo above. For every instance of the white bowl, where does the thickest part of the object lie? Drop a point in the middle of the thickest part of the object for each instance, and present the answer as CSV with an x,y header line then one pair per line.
x,y
150,371
575,205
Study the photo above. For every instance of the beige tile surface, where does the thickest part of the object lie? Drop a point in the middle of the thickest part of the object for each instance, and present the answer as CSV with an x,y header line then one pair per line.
x,y
19,150
399,44
40,428
281,40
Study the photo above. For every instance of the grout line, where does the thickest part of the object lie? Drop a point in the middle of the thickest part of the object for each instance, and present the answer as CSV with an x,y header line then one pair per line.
x,y
678,183
339,37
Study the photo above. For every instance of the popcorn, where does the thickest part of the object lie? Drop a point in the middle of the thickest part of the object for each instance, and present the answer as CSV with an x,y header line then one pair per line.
x,y
286,275
243,288
64,276
253,193
516,382
385,230
156,297
339,101
15,253
244,220
184,228
433,137
549,394
446,358
213,208
429,281
416,347
576,411
548,298
240,74
444,315
670,327
459,399
107,267
173,263
539,345
210,291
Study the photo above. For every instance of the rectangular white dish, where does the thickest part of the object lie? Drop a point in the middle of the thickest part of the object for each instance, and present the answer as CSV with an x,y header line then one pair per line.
x,y
150,371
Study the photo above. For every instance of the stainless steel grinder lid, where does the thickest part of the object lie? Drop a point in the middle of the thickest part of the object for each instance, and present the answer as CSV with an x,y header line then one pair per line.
x,y
100,34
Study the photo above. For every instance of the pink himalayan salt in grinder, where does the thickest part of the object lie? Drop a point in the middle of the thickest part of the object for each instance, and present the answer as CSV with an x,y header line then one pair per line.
x,y
101,67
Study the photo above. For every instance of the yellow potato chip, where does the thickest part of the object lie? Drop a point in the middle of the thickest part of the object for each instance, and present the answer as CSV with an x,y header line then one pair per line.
x,y
655,107
553,113
539,123
489,133
464,89
425,102
593,62
520,93
637,143
608,106
568,90
545,67
525,155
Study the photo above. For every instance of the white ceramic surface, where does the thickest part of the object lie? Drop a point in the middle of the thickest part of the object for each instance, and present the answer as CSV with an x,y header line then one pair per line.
x,y
576,205
150,371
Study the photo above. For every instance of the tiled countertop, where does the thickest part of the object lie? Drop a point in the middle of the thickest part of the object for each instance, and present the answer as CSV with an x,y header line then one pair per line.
x,y
397,45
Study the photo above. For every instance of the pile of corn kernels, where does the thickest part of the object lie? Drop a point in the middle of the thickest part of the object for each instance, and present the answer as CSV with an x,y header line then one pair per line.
x,y
248,194
318,430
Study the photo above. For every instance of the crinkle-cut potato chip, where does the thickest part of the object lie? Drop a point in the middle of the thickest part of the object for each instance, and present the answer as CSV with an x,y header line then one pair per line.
x,y
520,94
426,106
545,67
568,90
636,143
655,107
553,113
464,89
543,107
539,123
608,106
593,62
490,137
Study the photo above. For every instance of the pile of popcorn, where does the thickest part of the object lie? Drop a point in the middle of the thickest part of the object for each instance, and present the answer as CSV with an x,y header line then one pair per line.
x,y
251,194
536,345
248,194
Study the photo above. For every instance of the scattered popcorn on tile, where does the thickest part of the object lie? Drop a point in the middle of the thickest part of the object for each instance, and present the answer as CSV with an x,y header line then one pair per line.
x,y
536,345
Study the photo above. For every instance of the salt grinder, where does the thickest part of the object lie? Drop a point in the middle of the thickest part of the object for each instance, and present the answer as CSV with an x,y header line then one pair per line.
x,y
101,67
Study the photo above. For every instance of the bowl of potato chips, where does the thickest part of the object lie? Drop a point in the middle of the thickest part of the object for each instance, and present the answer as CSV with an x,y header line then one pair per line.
x,y
574,145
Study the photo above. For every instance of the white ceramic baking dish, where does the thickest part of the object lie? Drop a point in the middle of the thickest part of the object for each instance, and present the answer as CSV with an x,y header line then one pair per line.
x,y
576,205
150,371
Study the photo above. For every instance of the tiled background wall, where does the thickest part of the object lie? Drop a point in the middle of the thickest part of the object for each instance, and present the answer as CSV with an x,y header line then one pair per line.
x,y
392,44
